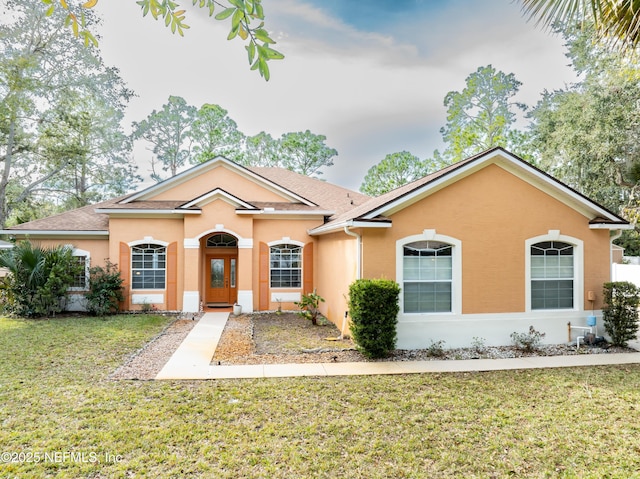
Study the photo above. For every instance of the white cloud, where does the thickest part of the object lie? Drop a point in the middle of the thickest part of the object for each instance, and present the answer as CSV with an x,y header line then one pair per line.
x,y
370,93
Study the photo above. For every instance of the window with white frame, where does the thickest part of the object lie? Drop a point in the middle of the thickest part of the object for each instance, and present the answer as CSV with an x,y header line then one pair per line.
x,y
148,266
552,275
427,271
81,274
285,265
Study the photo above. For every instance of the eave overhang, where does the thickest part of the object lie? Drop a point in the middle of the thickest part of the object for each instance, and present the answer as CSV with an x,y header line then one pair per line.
x,y
55,233
358,223
128,212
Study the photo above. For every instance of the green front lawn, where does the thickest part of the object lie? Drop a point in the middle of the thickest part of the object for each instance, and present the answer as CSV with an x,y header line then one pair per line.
x,y
59,409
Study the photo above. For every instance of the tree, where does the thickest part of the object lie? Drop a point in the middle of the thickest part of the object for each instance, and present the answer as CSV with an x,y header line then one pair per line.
x,y
45,77
616,22
240,12
482,115
96,151
305,153
261,150
213,133
395,170
168,131
588,135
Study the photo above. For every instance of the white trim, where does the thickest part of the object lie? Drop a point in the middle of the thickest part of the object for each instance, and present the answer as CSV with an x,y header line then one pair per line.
x,y
456,270
219,193
457,331
87,263
191,243
191,301
148,239
141,211
578,269
245,243
611,226
285,297
142,298
53,233
333,227
271,212
285,240
245,299
219,228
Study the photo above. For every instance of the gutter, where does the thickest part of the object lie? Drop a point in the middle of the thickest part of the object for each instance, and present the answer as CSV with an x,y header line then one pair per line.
x,y
612,238
359,251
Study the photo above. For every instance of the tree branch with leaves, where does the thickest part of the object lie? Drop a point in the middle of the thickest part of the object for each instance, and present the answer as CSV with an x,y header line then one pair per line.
x,y
243,15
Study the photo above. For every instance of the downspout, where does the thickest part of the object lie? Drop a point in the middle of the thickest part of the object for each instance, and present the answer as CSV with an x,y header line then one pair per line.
x,y
359,251
358,269
612,238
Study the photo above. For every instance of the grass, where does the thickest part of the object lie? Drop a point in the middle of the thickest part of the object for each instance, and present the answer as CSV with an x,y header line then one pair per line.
x,y
55,397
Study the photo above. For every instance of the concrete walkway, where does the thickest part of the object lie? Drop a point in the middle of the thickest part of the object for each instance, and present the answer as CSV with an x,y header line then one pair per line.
x,y
192,358
192,361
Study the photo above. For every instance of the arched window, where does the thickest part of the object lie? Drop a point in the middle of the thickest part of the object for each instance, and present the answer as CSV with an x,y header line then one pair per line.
x,y
148,266
427,272
285,264
221,240
552,275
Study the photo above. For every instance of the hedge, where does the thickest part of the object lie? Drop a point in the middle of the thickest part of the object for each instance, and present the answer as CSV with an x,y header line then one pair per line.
x,y
373,307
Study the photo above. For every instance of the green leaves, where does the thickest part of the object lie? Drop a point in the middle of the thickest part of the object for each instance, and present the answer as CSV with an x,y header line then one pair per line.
x,y
166,10
241,14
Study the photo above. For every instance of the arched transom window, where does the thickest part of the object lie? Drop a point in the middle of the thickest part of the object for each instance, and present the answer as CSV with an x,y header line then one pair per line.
x,y
427,277
221,240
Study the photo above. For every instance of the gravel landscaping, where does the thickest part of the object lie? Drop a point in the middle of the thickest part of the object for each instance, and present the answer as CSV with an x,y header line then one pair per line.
x,y
280,338
147,362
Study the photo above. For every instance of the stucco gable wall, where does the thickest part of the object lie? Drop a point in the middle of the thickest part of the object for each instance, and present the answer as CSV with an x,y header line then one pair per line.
x,y
219,177
492,213
218,212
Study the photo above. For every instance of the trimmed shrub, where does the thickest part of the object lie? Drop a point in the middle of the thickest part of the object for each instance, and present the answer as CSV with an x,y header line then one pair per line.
x,y
621,311
373,307
106,290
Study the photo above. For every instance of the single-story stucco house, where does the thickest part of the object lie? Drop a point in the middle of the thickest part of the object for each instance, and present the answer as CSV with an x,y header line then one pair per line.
x,y
485,247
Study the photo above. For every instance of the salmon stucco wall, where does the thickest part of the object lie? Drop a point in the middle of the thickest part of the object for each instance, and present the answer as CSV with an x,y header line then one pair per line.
x,y
492,213
141,230
283,230
98,248
338,255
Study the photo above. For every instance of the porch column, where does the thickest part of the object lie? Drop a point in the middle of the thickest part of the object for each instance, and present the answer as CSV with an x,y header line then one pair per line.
x,y
191,280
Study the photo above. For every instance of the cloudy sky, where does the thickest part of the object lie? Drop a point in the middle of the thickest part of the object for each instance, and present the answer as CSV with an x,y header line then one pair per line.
x,y
369,75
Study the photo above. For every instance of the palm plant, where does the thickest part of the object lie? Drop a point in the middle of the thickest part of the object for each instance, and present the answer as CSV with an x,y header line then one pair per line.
x,y
614,20
38,278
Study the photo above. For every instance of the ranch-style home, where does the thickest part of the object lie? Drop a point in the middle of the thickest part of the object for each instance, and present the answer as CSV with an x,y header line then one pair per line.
x,y
483,248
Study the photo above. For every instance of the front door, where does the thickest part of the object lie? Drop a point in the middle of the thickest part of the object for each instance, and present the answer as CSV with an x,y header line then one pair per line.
x,y
221,280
